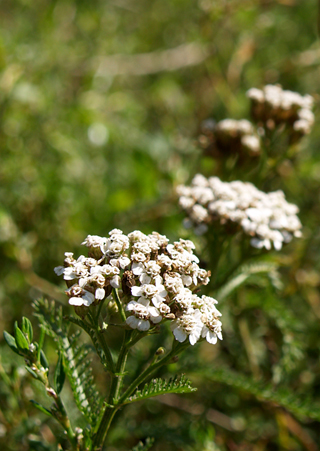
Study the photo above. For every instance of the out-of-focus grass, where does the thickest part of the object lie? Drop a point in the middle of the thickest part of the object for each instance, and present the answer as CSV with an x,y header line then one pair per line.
x,y
100,106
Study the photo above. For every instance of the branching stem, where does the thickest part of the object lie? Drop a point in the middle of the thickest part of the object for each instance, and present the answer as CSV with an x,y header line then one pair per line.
x,y
103,343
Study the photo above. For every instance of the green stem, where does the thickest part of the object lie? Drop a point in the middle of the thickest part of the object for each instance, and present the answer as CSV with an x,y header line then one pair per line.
x,y
121,364
119,304
103,343
100,436
177,348
41,341
137,338
58,410
112,406
65,422
216,243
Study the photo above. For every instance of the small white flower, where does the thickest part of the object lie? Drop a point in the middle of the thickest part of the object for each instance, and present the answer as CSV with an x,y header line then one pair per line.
x,y
138,257
154,292
188,325
69,273
173,283
212,331
136,323
85,299
137,236
144,313
164,261
94,241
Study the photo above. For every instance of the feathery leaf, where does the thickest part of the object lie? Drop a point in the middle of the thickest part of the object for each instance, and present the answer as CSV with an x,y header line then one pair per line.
x,y
177,384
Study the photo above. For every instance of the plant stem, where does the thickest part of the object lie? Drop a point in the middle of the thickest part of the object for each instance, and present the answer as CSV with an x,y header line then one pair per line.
x,y
65,422
102,341
119,304
114,403
177,348
112,406
40,344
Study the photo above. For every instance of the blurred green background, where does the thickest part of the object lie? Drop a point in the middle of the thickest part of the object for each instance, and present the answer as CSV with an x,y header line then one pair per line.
x,y
101,104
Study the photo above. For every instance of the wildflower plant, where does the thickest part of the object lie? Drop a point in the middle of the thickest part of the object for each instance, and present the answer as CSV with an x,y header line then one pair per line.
x,y
273,107
257,149
148,282
266,217
230,136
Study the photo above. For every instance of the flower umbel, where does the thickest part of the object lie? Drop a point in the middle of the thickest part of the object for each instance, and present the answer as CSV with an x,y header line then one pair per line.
x,y
158,281
274,106
267,217
229,136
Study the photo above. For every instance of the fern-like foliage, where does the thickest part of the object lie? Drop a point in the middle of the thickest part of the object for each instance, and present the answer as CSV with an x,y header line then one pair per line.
x,y
77,366
303,408
248,271
93,337
50,317
144,446
177,384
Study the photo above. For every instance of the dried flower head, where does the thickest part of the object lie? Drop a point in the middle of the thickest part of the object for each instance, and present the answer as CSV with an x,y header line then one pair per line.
x,y
274,106
158,280
267,217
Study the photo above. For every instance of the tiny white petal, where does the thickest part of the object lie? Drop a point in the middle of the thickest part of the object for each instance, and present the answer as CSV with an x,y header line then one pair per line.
x,y
136,291
193,338
69,274
144,278
115,282
82,281
137,268
76,301
88,298
132,321
179,334
100,293
124,262
59,270
143,325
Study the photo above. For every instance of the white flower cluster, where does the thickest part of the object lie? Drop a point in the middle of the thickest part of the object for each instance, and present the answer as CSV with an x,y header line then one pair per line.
x,y
273,106
229,130
230,135
158,281
267,218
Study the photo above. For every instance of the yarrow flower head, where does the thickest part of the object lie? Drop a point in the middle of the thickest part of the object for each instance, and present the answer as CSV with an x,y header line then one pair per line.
x,y
267,217
157,282
274,106
229,136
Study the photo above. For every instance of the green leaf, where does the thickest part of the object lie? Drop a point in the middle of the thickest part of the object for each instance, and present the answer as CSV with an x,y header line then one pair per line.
x,y
11,342
144,447
21,340
244,273
32,372
41,408
77,366
50,317
79,323
59,374
27,328
43,360
161,387
283,396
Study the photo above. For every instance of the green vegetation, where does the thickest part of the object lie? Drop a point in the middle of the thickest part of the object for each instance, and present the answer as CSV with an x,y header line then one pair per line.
x,y
101,107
